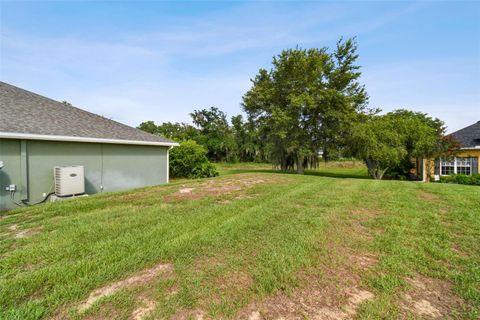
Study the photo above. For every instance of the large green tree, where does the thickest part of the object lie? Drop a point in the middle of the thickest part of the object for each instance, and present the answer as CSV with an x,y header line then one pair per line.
x,y
249,143
377,143
215,133
306,102
389,143
423,138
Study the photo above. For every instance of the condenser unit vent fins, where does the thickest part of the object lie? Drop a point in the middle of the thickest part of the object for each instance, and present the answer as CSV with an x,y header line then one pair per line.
x,y
69,181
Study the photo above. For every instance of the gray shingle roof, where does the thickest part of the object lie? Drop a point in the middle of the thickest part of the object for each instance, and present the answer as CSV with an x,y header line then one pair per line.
x,y
468,137
25,112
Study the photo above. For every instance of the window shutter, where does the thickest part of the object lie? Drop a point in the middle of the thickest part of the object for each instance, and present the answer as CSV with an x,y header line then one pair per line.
x,y
474,165
437,166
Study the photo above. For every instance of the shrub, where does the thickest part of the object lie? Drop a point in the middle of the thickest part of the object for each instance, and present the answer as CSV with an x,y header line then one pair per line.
x,y
189,160
462,179
401,171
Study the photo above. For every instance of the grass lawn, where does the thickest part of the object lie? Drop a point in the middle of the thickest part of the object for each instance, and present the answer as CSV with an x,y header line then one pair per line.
x,y
250,244
337,169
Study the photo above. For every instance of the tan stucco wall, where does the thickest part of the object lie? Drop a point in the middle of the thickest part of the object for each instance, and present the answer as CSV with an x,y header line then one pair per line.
x,y
430,163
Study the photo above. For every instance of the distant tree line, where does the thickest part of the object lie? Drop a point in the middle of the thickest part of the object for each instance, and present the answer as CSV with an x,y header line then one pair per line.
x,y
311,102
230,141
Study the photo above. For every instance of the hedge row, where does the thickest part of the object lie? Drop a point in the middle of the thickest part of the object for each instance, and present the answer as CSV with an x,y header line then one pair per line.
x,y
462,179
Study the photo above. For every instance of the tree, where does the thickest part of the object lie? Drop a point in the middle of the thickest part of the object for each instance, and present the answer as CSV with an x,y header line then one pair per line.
x,y
175,131
148,126
215,134
306,102
249,144
377,143
390,142
423,137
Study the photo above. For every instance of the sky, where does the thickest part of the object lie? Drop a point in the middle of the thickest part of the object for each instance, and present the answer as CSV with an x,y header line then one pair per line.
x,y
160,60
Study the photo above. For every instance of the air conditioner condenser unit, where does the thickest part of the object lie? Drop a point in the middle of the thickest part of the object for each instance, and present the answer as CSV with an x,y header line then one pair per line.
x,y
69,181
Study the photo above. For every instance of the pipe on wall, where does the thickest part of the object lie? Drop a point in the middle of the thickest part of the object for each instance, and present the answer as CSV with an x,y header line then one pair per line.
x,y
24,170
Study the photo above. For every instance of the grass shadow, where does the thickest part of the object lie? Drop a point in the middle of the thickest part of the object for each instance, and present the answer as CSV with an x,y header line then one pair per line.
x,y
343,175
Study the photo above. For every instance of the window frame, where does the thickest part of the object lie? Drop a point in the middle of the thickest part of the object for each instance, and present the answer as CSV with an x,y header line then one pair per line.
x,y
456,162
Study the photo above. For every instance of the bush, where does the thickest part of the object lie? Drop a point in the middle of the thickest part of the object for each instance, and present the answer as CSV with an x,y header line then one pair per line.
x,y
189,160
462,179
401,171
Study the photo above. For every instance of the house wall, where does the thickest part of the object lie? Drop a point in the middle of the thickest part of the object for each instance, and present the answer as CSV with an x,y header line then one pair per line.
x,y
111,166
430,163
11,172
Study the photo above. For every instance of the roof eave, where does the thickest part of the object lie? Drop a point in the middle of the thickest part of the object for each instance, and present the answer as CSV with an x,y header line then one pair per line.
x,y
28,136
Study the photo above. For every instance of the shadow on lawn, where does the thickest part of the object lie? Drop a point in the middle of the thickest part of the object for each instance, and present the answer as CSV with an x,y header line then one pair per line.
x,y
354,174
351,175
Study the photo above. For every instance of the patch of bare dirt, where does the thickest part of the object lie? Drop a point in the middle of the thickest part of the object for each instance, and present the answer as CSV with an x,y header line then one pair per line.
x,y
146,306
356,298
134,280
173,290
27,232
427,196
316,304
458,251
365,261
443,210
255,315
185,190
423,308
23,233
430,298
221,186
366,213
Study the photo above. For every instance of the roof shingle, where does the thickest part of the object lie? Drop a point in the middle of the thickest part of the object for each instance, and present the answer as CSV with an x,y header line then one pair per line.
x,y
25,112
468,137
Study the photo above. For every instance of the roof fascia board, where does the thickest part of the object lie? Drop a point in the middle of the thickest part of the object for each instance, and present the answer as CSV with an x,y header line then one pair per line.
x,y
27,136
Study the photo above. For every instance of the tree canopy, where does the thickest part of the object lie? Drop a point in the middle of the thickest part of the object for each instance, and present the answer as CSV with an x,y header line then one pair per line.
x,y
306,102
215,133
388,143
175,131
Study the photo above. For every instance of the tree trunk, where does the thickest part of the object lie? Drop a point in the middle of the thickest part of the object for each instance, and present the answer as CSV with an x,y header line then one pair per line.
x,y
374,170
379,173
283,164
383,173
370,168
300,169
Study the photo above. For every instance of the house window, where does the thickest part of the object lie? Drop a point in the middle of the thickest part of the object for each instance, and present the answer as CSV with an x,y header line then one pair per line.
x,y
464,166
457,165
447,167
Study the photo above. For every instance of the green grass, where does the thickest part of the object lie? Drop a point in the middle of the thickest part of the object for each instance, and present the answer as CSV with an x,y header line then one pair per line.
x,y
334,169
234,248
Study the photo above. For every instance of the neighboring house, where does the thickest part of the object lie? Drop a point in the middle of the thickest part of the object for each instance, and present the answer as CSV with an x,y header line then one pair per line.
x,y
464,160
38,134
